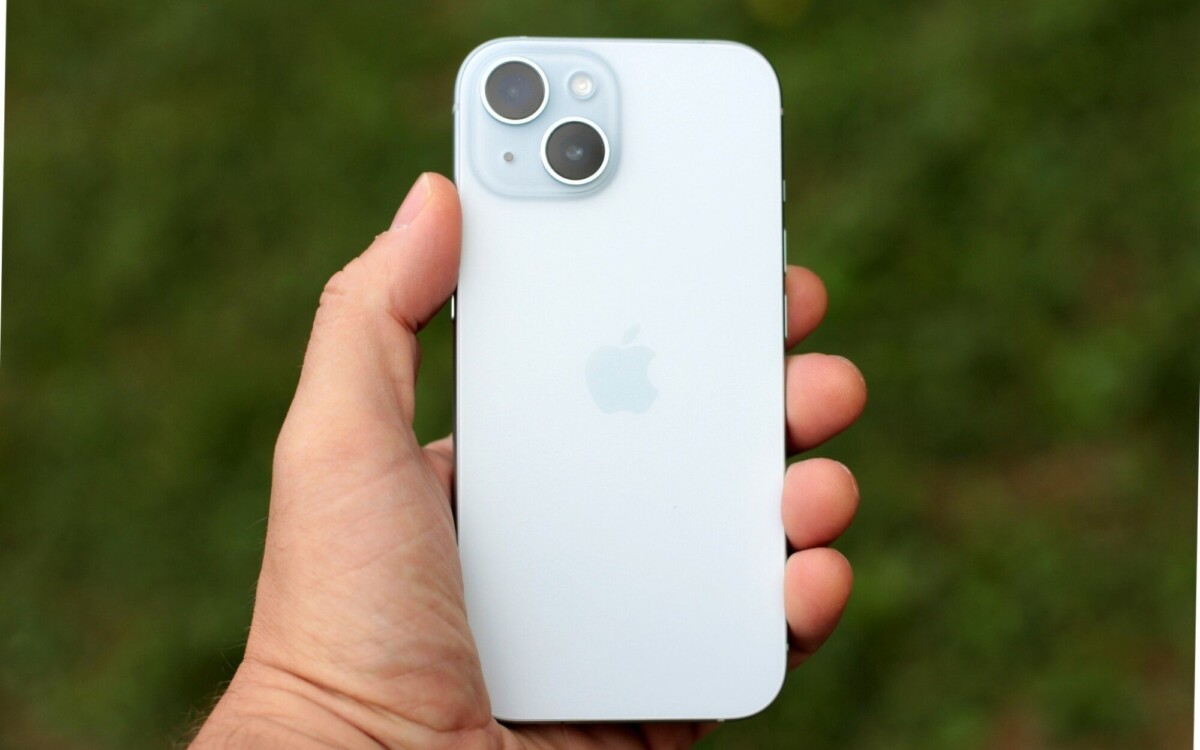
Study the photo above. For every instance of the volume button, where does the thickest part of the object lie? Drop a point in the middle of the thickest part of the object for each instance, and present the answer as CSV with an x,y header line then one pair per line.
x,y
452,297
785,252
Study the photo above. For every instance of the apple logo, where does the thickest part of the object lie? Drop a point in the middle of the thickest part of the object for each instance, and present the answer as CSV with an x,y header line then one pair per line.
x,y
616,376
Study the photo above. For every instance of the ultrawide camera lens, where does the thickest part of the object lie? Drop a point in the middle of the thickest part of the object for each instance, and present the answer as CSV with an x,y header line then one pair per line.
x,y
515,91
575,151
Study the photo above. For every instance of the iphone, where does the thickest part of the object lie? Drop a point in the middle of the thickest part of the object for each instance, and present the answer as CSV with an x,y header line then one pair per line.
x,y
619,356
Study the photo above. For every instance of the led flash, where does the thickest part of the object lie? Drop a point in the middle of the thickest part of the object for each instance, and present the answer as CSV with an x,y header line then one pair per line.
x,y
582,85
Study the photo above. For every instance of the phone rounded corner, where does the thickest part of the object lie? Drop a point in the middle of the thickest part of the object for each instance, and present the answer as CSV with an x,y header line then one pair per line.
x,y
757,58
761,702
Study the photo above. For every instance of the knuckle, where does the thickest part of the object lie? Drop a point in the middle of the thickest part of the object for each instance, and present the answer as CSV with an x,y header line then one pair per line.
x,y
337,292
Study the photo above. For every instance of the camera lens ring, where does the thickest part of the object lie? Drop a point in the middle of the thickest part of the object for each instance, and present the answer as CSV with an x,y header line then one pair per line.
x,y
550,131
496,65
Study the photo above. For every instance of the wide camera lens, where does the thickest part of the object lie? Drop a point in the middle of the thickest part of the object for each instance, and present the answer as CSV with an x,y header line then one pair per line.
x,y
515,91
575,151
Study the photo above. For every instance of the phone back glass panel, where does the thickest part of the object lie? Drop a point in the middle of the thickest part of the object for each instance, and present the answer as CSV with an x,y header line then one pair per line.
x,y
619,388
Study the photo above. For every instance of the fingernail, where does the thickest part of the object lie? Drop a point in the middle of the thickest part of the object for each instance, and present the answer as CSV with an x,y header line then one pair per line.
x,y
860,375
416,199
853,481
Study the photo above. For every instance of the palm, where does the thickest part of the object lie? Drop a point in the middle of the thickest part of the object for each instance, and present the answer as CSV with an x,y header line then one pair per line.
x,y
405,552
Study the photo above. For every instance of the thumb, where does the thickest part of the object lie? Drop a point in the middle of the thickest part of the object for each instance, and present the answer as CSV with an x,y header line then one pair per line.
x,y
361,364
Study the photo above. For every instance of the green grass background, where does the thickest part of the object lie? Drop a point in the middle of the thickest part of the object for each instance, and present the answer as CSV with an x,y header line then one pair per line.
x,y
1003,196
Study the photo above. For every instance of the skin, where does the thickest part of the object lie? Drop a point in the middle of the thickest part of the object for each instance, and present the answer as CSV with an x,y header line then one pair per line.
x,y
359,636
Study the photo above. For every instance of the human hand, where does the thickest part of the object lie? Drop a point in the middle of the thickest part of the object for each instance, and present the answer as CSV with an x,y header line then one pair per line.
x,y
359,636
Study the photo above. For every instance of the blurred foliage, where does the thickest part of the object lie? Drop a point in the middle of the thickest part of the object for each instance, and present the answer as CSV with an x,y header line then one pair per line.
x,y
1004,198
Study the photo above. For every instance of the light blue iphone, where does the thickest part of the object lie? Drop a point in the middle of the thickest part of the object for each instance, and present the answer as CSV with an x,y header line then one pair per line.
x,y
619,353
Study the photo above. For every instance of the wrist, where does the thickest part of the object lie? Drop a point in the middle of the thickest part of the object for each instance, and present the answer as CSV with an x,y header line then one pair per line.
x,y
265,707
268,707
